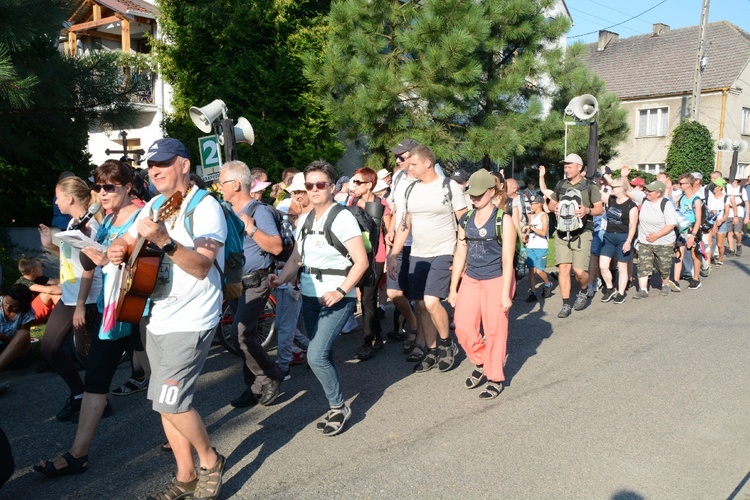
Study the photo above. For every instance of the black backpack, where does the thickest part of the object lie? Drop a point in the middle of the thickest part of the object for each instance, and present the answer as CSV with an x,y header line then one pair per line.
x,y
370,232
287,246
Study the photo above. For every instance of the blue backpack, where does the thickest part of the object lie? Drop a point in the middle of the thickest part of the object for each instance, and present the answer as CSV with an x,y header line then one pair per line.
x,y
234,256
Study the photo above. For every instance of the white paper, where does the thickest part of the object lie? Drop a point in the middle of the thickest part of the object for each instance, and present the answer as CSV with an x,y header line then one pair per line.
x,y
77,239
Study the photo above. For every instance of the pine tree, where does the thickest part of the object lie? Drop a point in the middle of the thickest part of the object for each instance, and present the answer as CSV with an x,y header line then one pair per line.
x,y
249,54
453,74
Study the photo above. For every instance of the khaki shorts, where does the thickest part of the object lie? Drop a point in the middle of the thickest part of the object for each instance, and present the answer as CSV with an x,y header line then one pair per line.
x,y
576,252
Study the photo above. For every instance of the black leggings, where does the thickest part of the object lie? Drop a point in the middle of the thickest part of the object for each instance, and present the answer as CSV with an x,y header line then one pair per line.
x,y
59,326
140,367
370,320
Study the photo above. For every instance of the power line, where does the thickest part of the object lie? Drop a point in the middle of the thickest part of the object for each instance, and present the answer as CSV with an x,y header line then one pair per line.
x,y
584,13
618,24
618,11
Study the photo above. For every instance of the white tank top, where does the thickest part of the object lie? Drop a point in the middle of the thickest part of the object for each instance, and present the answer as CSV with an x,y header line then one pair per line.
x,y
535,240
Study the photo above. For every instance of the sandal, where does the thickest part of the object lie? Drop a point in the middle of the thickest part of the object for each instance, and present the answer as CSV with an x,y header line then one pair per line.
x,y
417,354
410,340
210,480
74,466
492,390
475,379
176,489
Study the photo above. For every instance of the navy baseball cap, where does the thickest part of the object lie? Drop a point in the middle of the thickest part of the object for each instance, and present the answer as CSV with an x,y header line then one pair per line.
x,y
166,149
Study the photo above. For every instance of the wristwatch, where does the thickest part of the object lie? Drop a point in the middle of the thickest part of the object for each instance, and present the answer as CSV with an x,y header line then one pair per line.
x,y
170,247
253,231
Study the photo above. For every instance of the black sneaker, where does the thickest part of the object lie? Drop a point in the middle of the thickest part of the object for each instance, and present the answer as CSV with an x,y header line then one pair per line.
x,y
365,352
608,294
245,400
429,362
547,292
531,298
71,409
447,356
619,298
694,285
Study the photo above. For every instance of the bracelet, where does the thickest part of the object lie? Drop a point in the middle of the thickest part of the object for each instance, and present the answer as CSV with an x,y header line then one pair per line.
x,y
341,291
252,233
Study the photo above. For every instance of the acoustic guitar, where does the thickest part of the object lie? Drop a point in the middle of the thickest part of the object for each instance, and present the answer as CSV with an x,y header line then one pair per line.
x,y
141,271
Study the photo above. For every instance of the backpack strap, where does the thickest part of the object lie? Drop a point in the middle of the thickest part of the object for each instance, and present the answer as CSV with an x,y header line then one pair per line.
x,y
189,215
409,189
330,238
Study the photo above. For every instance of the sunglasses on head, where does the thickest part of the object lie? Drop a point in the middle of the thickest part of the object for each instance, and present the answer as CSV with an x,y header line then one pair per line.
x,y
108,188
320,185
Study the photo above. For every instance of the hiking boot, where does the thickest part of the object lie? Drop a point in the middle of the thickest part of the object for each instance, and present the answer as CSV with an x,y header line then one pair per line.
x,y
664,290
581,300
641,294
547,291
674,286
608,294
531,298
619,298
694,285
565,311
447,356
71,409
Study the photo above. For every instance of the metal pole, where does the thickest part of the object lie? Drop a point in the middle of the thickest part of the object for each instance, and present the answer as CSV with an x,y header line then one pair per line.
x,y
698,58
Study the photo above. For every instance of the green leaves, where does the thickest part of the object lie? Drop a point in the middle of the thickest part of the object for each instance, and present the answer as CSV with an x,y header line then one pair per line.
x,y
691,150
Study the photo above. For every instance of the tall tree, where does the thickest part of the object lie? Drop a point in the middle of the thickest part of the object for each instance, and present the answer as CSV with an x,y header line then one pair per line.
x,y
453,74
691,150
249,54
47,103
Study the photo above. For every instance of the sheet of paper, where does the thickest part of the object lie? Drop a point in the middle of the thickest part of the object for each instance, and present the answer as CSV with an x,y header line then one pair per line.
x,y
77,239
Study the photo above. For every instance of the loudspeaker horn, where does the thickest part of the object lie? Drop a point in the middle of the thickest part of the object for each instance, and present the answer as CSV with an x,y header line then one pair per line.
x,y
569,108
243,131
724,144
205,116
740,146
584,107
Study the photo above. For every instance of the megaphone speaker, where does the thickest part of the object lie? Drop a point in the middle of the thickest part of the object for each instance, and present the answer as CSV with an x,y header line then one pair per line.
x,y
584,107
724,144
741,146
243,131
205,116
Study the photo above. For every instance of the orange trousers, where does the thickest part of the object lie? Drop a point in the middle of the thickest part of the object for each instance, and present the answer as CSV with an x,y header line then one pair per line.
x,y
477,305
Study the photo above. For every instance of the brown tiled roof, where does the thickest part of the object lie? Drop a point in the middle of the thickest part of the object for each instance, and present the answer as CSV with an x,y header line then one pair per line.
x,y
122,6
649,65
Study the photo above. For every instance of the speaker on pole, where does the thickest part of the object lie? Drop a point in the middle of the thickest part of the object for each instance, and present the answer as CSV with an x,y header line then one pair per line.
x,y
243,131
204,117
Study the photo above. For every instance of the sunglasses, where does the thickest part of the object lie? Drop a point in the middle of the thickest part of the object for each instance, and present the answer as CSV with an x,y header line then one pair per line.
x,y
401,159
358,182
108,188
320,185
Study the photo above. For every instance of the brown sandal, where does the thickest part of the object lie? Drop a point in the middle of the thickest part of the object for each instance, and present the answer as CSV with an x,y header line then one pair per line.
x,y
210,480
176,489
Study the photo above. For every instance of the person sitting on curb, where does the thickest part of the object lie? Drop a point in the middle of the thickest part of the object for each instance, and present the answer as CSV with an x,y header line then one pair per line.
x,y
15,334
45,290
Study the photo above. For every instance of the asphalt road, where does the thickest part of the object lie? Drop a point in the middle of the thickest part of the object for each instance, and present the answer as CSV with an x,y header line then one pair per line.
x,y
648,399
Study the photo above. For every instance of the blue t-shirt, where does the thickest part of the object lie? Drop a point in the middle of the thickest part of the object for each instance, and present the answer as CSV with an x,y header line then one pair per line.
x,y
255,258
484,256
8,327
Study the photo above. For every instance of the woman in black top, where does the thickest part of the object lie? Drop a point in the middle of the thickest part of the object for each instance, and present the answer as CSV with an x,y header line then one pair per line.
x,y
622,222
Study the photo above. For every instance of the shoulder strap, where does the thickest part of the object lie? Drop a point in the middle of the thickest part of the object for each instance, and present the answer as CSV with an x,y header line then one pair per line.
x,y
328,234
190,211
253,207
558,188
663,204
409,189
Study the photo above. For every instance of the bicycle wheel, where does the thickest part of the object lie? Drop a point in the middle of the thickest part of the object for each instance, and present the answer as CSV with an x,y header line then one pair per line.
x,y
224,331
267,324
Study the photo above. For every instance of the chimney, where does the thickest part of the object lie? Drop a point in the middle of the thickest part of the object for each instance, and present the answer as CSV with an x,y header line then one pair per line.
x,y
605,37
660,29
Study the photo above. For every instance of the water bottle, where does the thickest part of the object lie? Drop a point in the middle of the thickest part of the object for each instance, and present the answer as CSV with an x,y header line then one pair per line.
x,y
287,235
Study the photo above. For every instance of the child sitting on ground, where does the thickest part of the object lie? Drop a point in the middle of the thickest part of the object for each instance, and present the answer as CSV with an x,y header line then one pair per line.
x,y
16,317
46,291
537,247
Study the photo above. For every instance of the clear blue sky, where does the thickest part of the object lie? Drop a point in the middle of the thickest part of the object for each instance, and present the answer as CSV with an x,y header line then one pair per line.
x,y
593,15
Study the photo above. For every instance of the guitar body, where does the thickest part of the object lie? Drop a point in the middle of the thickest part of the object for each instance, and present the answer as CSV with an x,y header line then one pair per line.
x,y
141,271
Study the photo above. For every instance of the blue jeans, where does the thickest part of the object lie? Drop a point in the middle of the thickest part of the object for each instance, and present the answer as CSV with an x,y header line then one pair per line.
x,y
323,325
288,306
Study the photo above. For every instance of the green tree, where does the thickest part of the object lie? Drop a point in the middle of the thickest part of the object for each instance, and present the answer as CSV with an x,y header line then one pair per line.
x,y
249,54
453,74
572,78
47,103
691,150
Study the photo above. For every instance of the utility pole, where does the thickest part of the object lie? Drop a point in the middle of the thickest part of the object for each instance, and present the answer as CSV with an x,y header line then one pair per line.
x,y
700,62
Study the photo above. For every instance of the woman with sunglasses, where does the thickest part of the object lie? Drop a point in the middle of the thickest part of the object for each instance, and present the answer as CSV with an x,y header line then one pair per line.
x,y
113,183
364,181
484,268
81,283
327,282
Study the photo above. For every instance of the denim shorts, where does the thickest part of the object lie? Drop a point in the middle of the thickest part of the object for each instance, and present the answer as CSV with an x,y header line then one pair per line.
x,y
597,242
612,247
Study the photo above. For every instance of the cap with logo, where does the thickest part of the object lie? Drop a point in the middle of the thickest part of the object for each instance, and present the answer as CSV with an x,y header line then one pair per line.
x,y
166,149
460,176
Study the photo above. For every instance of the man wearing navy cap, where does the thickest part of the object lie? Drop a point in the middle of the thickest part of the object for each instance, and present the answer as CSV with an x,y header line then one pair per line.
x,y
185,309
